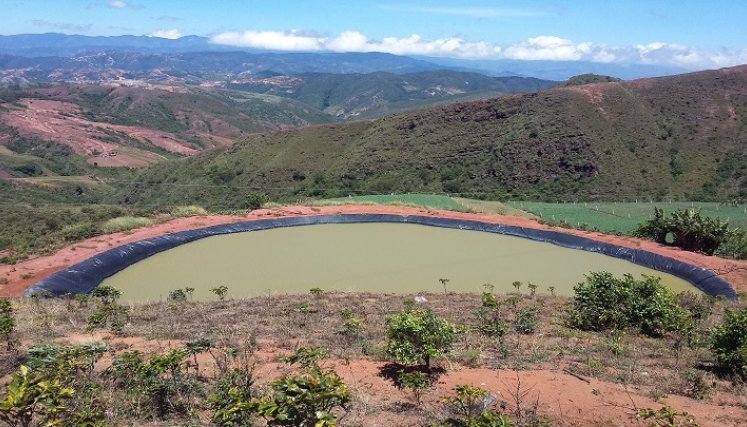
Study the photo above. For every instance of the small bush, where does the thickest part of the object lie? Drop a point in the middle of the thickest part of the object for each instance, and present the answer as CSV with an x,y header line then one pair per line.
x,y
254,200
7,323
186,211
730,342
415,381
125,223
79,231
604,301
418,335
526,320
307,399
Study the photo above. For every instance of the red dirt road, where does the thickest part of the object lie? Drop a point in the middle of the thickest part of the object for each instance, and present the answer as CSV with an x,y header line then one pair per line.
x,y
24,274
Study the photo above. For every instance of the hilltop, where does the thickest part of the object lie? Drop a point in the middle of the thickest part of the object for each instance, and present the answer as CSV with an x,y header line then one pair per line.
x,y
676,137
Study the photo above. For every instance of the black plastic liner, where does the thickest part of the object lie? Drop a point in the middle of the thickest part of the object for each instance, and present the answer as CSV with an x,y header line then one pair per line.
x,y
83,277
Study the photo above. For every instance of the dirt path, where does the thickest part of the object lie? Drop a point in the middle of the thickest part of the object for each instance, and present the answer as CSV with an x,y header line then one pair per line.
x,y
24,274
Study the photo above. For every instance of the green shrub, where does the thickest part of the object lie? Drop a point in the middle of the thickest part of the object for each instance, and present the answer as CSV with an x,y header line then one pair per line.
x,y
125,223
730,341
666,417
30,399
604,301
79,231
7,323
415,381
490,320
303,400
526,320
418,335
159,386
230,390
305,356
254,200
177,295
186,211
686,229
470,408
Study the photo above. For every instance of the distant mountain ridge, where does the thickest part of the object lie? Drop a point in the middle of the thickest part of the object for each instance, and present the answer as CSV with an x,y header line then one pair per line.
x,y
53,46
350,96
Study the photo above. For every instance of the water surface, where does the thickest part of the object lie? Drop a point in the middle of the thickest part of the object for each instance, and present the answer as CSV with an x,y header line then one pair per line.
x,y
404,258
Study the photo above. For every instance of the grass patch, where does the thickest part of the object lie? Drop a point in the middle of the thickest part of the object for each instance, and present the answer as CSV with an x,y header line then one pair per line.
x,y
186,211
428,201
125,223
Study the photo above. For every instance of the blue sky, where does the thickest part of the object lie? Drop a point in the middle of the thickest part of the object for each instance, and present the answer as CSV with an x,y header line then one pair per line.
x,y
682,32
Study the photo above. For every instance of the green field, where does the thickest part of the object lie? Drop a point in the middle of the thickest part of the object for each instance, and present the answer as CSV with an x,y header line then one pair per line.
x,y
430,201
625,217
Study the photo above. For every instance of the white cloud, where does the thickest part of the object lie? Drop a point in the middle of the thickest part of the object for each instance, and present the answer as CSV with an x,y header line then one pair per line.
x,y
118,4
272,40
551,48
167,34
543,47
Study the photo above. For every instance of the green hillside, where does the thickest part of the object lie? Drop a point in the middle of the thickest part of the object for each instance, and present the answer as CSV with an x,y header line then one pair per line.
x,y
356,96
680,137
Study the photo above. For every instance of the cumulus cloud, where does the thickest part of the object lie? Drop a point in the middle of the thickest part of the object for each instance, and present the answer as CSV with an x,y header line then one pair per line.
x,y
167,34
542,47
550,48
292,40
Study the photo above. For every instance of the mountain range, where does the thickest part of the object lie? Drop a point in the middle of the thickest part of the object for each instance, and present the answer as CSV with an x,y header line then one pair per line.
x,y
192,54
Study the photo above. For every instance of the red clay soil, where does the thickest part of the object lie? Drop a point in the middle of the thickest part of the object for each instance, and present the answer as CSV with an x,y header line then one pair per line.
x,y
570,399
21,276
62,122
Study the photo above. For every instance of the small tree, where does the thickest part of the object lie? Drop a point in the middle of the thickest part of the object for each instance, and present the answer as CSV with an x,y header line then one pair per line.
x,y
7,323
517,284
220,291
444,282
418,335
730,341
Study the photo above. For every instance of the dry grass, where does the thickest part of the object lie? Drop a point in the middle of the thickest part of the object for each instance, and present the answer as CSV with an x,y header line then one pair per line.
x,y
280,324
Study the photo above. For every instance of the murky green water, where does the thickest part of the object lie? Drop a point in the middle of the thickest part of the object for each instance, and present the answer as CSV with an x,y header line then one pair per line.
x,y
365,257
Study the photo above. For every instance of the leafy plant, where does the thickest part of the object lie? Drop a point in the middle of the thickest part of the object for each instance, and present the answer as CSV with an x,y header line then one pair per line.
x,y
666,417
220,291
31,399
231,390
108,311
7,323
302,400
159,386
177,295
306,356
418,335
415,381
490,319
527,320
470,408
604,301
730,341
